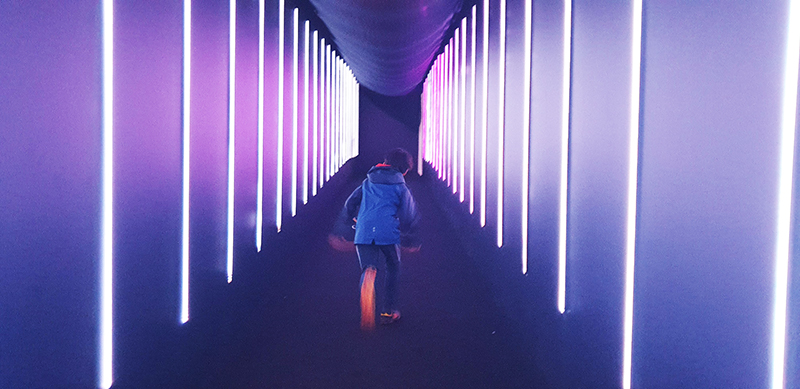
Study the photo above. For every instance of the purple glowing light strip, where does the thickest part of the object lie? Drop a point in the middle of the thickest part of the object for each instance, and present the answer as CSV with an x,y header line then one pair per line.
x,y
562,236
295,102
501,96
485,109
473,113
106,325
315,78
526,131
328,99
448,115
187,66
456,112
783,239
279,154
462,98
322,126
306,44
260,182
231,131
633,169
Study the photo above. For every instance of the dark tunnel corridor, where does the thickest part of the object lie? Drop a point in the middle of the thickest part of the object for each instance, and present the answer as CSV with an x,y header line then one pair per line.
x,y
608,192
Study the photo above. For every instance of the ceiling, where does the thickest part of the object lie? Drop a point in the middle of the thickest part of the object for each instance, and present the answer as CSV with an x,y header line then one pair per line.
x,y
388,44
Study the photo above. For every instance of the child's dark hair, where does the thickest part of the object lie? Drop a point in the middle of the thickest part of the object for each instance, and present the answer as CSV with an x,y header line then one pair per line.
x,y
399,159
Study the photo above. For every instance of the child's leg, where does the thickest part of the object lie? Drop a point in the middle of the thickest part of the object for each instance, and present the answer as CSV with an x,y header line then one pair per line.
x,y
392,253
367,256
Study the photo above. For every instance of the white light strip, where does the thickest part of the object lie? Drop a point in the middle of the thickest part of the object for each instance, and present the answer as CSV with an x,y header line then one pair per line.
x,y
279,154
526,130
485,109
783,241
472,113
501,98
633,169
295,102
260,180
562,230
106,325
462,98
187,66
322,123
455,84
307,37
231,131
315,78
329,121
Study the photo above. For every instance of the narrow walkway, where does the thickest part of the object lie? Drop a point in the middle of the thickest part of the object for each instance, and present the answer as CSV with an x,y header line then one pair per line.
x,y
303,332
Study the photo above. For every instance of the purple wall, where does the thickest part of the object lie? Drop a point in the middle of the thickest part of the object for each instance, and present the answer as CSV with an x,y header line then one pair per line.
x,y
50,197
50,172
712,83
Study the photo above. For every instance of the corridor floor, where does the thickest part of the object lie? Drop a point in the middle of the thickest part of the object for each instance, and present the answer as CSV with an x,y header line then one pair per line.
x,y
301,330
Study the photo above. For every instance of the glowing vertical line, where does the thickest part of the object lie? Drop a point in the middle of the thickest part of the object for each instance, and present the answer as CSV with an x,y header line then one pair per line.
x,y
441,120
526,132
484,109
231,131
633,169
462,127
187,66
328,120
565,98
501,97
449,116
260,182
305,109
323,92
295,102
279,154
472,113
106,325
456,114
315,159
783,241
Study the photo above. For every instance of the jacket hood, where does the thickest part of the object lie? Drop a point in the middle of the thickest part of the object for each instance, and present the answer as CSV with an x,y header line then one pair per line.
x,y
385,175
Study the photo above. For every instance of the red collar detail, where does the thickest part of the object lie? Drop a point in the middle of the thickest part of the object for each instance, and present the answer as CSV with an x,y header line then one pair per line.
x,y
383,165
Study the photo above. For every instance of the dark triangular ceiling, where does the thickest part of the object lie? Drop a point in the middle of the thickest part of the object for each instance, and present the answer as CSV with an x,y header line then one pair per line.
x,y
388,44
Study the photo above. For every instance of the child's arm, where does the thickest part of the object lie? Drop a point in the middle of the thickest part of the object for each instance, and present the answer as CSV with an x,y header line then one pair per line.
x,y
409,219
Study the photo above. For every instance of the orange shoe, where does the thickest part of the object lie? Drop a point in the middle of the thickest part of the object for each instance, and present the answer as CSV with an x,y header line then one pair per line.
x,y
389,318
368,299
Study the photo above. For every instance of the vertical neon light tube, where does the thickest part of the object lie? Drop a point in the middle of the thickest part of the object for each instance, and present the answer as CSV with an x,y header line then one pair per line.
x,y
328,119
448,115
307,42
106,325
279,154
231,132
565,98
472,113
526,131
633,170
315,159
323,92
260,182
501,97
455,85
783,241
484,109
295,101
462,127
187,66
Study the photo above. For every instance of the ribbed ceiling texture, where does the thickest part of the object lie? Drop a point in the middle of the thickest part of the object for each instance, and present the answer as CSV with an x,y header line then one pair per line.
x,y
389,44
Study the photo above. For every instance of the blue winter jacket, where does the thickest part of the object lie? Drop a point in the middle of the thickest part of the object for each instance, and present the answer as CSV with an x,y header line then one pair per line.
x,y
383,207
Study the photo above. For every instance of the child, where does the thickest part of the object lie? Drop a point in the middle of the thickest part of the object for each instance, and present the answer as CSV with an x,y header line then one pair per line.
x,y
383,209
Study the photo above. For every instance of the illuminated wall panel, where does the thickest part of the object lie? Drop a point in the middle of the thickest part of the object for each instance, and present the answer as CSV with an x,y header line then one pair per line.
x,y
708,192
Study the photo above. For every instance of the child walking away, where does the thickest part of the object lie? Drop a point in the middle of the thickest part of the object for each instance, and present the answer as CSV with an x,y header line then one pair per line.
x,y
384,210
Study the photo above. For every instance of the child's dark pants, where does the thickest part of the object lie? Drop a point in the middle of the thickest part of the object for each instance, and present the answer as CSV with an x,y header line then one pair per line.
x,y
369,256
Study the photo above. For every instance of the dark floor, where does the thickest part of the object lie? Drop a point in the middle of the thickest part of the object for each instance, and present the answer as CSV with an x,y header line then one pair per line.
x,y
294,322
